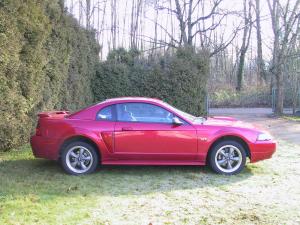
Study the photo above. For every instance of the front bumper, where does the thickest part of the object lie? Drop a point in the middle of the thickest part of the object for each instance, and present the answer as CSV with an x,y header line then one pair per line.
x,y
261,150
44,148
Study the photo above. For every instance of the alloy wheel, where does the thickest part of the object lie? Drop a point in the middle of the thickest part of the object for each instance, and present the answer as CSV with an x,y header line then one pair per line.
x,y
79,159
228,158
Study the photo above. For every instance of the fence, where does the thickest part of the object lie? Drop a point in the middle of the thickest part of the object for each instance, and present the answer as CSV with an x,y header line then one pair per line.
x,y
232,99
290,105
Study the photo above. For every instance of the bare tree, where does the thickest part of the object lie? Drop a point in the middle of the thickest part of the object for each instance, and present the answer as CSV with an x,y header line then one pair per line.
x,y
134,26
113,27
187,24
285,25
245,42
198,22
292,68
80,12
101,28
88,14
260,62
155,26
192,24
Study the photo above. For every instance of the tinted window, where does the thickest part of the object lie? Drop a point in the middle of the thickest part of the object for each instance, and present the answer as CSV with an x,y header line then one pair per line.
x,y
143,112
105,114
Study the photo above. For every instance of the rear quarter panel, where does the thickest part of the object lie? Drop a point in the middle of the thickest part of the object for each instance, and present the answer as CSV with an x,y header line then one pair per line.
x,y
58,131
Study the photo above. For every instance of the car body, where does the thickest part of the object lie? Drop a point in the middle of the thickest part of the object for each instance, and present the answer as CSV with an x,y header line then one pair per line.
x,y
146,131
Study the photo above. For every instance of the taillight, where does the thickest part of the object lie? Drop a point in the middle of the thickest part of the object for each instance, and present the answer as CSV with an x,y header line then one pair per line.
x,y
38,131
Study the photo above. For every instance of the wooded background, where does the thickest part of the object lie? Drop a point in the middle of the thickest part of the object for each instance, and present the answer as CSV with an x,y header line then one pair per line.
x,y
252,45
58,55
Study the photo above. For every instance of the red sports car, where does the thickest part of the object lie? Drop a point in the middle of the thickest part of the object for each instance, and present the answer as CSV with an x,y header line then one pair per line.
x,y
145,131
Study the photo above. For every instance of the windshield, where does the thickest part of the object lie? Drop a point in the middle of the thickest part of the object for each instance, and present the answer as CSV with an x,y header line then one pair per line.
x,y
181,113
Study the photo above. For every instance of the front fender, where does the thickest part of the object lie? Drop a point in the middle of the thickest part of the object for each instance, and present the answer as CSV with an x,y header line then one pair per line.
x,y
208,136
246,135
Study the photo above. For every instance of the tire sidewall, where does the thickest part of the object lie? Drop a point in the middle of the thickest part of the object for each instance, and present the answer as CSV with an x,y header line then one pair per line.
x,y
212,155
83,144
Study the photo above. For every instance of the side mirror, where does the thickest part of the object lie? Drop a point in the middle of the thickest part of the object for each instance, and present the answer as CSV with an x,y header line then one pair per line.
x,y
176,121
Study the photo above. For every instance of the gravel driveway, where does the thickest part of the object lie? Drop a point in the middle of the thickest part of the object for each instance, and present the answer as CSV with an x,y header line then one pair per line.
x,y
278,127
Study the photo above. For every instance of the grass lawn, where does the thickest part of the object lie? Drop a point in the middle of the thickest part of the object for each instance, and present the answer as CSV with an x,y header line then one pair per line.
x,y
36,191
292,118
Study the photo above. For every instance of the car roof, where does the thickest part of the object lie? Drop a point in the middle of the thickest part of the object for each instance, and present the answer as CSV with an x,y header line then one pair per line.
x,y
128,99
87,112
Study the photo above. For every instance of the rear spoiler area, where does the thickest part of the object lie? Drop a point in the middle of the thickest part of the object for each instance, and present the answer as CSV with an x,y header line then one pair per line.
x,y
53,114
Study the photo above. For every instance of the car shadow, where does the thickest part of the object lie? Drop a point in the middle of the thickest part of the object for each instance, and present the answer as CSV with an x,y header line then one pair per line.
x,y
36,176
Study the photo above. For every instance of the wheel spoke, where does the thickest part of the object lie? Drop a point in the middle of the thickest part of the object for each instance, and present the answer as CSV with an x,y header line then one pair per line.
x,y
74,164
81,152
83,166
222,153
74,155
229,166
222,161
236,159
87,158
231,151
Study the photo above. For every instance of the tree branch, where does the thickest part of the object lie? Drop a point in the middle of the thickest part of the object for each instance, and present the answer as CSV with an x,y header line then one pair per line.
x,y
212,12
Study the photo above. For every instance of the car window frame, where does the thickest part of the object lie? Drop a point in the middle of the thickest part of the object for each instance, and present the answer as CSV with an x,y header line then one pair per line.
x,y
117,119
113,112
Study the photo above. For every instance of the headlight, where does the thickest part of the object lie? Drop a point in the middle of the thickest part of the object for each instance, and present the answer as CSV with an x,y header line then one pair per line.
x,y
264,137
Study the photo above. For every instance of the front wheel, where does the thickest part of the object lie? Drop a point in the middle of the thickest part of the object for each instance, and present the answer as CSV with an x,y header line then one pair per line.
x,y
227,157
79,158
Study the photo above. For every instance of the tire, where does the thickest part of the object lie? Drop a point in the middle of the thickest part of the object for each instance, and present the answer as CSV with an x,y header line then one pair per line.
x,y
79,158
225,153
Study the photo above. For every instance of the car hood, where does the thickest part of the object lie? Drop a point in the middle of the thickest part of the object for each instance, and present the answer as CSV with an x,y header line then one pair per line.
x,y
227,122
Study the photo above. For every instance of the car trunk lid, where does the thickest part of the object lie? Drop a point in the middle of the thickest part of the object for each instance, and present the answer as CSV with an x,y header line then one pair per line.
x,y
54,114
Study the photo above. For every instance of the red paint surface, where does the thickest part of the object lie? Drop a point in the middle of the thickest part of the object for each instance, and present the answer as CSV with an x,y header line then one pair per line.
x,y
137,143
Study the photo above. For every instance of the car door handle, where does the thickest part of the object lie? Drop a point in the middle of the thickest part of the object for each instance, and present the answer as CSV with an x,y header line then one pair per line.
x,y
126,128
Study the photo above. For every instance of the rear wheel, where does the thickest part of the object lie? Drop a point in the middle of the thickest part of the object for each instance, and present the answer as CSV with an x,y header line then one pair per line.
x,y
227,157
79,158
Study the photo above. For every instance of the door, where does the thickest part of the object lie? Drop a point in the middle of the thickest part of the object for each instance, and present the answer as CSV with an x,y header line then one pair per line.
x,y
145,131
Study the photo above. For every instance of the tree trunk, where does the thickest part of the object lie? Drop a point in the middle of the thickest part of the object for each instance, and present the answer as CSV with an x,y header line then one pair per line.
x,y
280,92
189,24
180,18
261,73
245,44
155,27
294,105
284,21
240,71
113,23
87,14
124,25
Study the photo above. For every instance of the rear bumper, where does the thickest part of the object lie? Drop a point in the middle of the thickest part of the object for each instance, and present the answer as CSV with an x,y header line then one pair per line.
x,y
261,150
44,148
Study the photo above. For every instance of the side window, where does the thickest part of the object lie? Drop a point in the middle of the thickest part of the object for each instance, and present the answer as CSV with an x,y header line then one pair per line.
x,y
105,114
143,112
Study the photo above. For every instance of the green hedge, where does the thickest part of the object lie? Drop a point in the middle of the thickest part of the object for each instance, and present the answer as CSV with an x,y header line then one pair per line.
x,y
47,61
179,79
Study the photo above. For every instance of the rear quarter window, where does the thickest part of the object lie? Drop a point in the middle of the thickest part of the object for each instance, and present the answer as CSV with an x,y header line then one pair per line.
x,y
105,113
